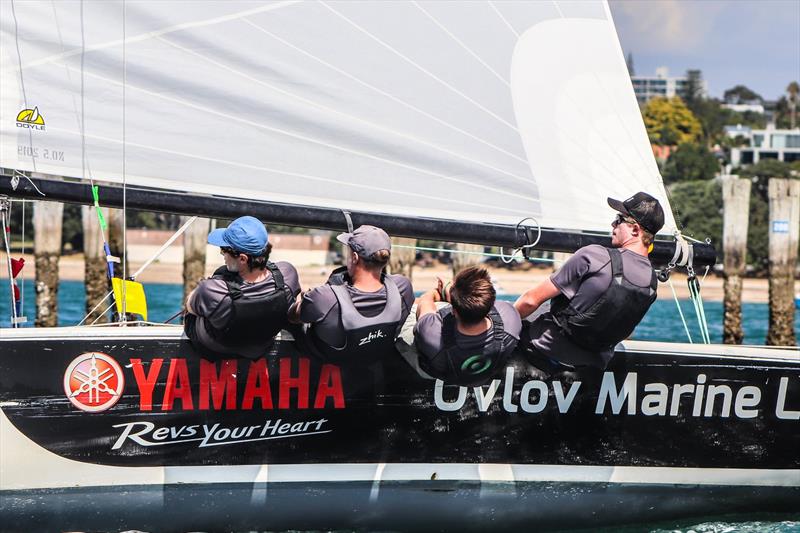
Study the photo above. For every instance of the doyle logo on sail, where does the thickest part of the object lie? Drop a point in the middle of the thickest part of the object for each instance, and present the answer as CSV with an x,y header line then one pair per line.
x,y
31,119
94,382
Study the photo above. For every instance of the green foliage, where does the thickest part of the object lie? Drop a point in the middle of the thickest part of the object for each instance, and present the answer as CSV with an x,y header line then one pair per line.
x,y
669,122
690,162
698,208
741,95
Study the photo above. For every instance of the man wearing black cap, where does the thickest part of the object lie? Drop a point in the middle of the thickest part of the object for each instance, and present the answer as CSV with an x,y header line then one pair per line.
x,y
240,309
598,296
355,317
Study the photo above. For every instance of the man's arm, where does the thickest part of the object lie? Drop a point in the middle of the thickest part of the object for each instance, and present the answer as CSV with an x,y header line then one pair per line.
x,y
189,301
294,310
533,298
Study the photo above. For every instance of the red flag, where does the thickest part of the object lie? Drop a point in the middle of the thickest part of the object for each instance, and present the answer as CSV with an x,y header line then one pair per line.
x,y
16,266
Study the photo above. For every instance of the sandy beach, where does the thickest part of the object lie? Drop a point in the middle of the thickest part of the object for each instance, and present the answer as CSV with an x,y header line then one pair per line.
x,y
509,281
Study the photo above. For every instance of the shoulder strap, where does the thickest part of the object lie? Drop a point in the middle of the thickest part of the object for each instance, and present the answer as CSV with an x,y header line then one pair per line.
x,y
616,264
234,288
496,344
276,275
448,330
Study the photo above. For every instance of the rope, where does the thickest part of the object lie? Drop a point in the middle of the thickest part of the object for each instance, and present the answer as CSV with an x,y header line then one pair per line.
x,y
124,316
6,231
466,252
680,311
155,256
697,300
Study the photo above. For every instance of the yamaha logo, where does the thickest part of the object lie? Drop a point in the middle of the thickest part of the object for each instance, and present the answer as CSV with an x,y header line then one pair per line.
x,y
93,382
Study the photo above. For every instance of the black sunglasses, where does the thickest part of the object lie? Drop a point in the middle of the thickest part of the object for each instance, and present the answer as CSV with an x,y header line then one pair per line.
x,y
620,218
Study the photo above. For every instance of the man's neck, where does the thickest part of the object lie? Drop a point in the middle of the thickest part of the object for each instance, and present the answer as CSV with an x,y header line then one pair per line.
x,y
366,280
253,276
474,329
636,247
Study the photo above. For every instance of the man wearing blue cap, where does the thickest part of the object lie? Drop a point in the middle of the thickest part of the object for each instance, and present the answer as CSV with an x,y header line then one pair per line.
x,y
355,317
240,309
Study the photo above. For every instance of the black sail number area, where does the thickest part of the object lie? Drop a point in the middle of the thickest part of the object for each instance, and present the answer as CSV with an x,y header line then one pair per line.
x,y
177,409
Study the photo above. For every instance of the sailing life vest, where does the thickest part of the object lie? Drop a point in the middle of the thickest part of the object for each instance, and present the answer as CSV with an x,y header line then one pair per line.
x,y
460,366
612,317
253,320
366,338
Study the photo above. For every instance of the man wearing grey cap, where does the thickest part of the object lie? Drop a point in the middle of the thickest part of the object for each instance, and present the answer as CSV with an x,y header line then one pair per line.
x,y
598,296
240,309
355,317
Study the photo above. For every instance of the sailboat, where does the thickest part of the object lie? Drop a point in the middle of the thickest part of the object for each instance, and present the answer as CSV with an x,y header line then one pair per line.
x,y
496,123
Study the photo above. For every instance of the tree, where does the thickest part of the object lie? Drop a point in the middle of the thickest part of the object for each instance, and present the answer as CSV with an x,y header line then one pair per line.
x,y
629,63
792,90
669,122
741,95
693,92
690,162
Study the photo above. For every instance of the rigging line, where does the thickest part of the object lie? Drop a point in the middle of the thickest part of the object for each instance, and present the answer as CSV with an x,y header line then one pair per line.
x,y
142,268
22,272
69,75
124,316
342,113
466,252
312,140
22,79
18,173
162,31
504,19
107,309
285,173
680,311
461,43
421,68
384,93
6,229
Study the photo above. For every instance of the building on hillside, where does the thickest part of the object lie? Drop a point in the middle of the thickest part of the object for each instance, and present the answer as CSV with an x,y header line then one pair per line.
x,y
298,249
744,108
662,85
771,143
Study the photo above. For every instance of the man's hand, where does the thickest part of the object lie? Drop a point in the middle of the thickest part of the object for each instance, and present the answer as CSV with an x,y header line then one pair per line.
x,y
427,302
533,298
189,300
294,310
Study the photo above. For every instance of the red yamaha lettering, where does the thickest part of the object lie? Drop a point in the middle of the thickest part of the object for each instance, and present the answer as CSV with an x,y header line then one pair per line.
x,y
216,386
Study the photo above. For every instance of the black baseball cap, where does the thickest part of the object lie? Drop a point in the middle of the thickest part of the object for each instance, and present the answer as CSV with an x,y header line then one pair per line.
x,y
651,219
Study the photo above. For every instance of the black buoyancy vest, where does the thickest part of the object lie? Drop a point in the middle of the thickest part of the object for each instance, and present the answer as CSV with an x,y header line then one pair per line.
x,y
366,338
459,366
612,317
253,319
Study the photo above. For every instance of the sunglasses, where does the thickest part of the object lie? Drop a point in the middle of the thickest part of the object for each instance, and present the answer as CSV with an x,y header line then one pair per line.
x,y
622,219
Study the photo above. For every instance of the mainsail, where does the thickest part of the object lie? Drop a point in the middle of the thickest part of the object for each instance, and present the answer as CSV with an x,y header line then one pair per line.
x,y
467,111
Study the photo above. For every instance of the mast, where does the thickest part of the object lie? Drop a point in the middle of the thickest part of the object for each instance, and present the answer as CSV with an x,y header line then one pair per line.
x,y
193,204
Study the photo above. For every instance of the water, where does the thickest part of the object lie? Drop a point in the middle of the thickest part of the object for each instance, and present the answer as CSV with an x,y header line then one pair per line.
x,y
662,323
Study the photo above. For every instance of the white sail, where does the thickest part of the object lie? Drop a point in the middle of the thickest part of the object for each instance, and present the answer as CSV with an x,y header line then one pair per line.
x,y
475,111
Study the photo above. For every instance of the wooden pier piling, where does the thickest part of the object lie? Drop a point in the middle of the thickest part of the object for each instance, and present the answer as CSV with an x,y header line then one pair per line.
x,y
736,212
784,232
94,268
194,253
402,260
47,223
466,260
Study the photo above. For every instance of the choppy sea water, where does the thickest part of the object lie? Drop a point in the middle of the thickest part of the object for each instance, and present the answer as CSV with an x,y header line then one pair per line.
x,y
662,323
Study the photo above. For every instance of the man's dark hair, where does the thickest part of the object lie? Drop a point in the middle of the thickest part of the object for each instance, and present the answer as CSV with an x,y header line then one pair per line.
x,y
259,262
378,260
645,210
472,294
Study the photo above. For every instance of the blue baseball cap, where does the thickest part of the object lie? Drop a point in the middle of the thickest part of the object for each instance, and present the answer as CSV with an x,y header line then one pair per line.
x,y
245,234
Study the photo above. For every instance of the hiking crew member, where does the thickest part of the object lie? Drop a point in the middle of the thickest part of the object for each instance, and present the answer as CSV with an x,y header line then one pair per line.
x,y
356,316
240,309
599,295
469,341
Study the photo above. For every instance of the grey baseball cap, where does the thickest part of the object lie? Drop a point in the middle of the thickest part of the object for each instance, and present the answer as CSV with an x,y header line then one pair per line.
x,y
366,240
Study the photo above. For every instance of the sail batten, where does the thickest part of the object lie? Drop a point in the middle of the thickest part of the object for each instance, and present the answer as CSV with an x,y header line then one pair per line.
x,y
470,111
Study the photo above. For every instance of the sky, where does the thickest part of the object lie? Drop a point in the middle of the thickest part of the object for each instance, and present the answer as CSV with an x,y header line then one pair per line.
x,y
749,42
